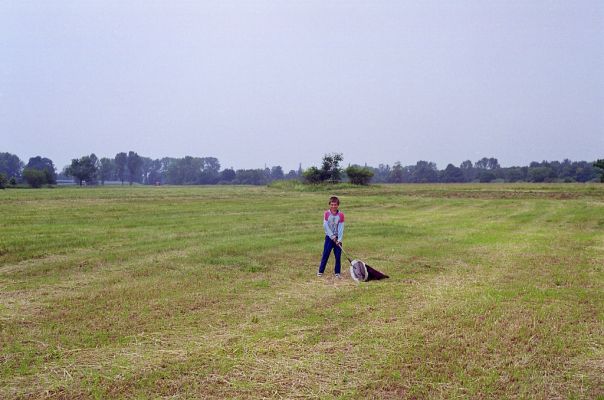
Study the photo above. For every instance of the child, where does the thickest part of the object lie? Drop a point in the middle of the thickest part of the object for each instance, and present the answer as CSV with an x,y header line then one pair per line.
x,y
333,224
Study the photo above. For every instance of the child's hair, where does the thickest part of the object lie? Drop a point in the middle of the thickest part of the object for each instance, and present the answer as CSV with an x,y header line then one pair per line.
x,y
334,198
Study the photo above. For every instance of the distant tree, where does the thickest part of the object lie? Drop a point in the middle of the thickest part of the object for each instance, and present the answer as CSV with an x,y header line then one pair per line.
x,y
155,173
567,171
397,173
359,175
94,160
485,176
331,167
330,170
209,173
106,169
3,180
425,172
313,175
493,163
251,177
10,165
487,163
556,167
452,174
484,169
468,171
539,174
46,166
84,169
586,172
166,163
381,173
134,164
146,166
228,175
192,171
466,165
211,164
183,171
291,175
121,162
516,174
34,177
482,163
276,173
599,164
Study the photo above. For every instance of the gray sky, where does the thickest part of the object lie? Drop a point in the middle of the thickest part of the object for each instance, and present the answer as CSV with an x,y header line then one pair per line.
x,y
257,83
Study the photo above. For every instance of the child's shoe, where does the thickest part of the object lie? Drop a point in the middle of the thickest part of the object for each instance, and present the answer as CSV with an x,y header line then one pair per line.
x,y
338,276
319,273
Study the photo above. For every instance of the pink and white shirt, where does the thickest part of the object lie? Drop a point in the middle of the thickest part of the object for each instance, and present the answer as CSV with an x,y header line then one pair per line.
x,y
334,224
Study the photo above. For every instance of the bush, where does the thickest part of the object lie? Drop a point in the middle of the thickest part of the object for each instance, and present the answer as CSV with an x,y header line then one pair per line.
x,y
3,181
359,175
313,175
599,164
34,177
330,170
486,176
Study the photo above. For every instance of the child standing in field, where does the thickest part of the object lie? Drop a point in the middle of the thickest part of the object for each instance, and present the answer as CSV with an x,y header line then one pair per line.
x,y
333,224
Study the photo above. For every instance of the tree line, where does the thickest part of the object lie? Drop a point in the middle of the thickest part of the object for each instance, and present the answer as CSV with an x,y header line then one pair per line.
x,y
132,168
488,170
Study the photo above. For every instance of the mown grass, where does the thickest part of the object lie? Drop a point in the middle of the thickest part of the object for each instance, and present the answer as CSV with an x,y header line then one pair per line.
x,y
495,291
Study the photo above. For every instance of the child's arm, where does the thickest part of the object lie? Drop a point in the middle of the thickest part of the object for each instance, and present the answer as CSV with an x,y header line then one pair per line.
x,y
341,228
340,232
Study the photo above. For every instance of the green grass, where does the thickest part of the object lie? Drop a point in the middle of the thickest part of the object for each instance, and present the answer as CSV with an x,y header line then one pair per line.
x,y
495,291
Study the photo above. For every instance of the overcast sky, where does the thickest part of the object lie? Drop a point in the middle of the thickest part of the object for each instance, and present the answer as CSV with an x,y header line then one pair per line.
x,y
257,83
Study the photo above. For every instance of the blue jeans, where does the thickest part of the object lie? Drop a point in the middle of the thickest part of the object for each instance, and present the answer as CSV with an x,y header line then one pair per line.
x,y
327,247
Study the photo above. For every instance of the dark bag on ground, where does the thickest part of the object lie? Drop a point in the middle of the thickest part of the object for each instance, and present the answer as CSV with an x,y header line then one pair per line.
x,y
361,272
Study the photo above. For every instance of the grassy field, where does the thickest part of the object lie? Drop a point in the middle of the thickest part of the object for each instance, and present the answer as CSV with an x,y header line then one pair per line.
x,y
495,291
